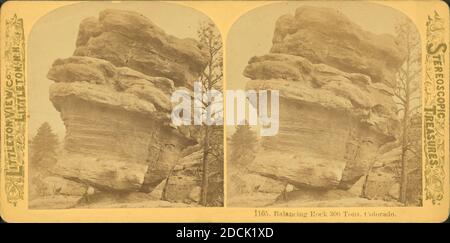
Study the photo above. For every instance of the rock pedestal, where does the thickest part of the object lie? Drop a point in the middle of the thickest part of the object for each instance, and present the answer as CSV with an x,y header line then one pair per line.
x,y
114,98
336,104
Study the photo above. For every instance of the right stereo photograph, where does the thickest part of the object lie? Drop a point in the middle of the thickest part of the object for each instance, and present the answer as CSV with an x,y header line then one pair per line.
x,y
349,118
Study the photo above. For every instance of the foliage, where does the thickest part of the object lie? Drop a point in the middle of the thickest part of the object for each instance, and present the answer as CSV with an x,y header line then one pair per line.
x,y
211,78
42,157
43,148
242,145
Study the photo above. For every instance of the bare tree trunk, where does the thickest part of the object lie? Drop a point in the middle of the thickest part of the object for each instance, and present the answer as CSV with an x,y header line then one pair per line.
x,y
404,174
204,191
366,182
404,182
406,93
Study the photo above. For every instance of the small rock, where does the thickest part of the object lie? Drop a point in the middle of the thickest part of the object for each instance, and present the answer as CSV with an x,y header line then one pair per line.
x,y
195,194
55,185
289,188
357,188
184,179
90,191
394,192
158,191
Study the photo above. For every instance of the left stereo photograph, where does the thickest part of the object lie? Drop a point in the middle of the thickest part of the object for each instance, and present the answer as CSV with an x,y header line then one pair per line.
x,y
100,135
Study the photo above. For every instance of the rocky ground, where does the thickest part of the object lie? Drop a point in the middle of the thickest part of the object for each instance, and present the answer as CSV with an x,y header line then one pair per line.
x,y
135,200
253,190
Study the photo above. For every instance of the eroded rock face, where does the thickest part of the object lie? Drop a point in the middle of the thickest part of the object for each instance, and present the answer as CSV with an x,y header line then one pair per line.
x,y
185,178
117,116
336,107
129,39
114,99
325,35
184,182
324,87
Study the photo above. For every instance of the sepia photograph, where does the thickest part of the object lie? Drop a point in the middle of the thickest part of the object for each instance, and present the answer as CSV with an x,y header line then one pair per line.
x,y
253,112
349,113
100,134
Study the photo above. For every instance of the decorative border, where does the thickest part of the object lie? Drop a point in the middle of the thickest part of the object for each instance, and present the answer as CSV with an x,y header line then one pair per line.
x,y
435,110
14,110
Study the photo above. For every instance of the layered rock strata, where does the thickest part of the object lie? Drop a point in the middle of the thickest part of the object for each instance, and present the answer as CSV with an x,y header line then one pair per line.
x,y
325,35
114,98
129,39
336,104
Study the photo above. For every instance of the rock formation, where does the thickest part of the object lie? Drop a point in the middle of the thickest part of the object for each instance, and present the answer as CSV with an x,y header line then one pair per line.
x,y
325,35
182,183
336,104
114,98
129,39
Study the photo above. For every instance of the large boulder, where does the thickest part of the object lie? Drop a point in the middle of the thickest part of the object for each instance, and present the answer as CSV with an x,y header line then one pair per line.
x,y
331,122
128,39
325,35
336,104
102,172
113,95
121,118
322,86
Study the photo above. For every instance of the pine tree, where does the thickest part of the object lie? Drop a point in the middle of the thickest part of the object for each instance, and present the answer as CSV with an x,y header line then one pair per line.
x,y
43,148
243,145
211,78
